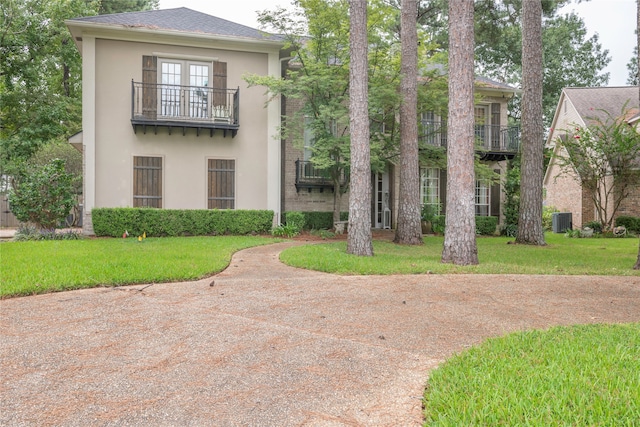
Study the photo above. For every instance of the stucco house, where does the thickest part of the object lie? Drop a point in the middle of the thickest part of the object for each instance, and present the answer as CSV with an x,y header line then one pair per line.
x,y
169,122
167,119
577,107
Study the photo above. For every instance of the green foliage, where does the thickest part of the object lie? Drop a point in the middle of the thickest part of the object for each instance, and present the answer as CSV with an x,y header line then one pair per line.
x,y
31,233
512,198
547,217
486,225
295,219
120,6
578,375
114,222
631,223
632,66
429,212
596,226
285,231
39,267
438,224
43,196
317,220
324,234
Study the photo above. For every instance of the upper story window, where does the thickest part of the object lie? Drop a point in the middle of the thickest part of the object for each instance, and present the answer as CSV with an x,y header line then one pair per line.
x,y
184,93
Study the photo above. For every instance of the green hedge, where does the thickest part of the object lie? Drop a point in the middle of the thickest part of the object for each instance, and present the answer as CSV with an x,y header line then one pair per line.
x,y
172,222
318,220
631,223
485,225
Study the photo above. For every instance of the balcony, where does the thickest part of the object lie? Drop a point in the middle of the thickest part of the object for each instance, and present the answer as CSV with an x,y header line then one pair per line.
x,y
493,142
309,176
184,107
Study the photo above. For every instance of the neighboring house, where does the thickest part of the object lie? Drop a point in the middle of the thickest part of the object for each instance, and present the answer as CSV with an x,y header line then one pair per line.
x,y
307,189
169,122
576,108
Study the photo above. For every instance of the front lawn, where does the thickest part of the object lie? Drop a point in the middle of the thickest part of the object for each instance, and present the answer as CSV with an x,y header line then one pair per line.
x,y
561,255
586,375
46,266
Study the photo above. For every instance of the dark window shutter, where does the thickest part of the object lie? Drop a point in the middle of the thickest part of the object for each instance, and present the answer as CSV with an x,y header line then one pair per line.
x,y
147,182
443,191
221,177
495,197
495,125
220,83
149,87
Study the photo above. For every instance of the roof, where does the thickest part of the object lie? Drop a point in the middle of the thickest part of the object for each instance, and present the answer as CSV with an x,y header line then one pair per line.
x,y
180,19
488,83
593,102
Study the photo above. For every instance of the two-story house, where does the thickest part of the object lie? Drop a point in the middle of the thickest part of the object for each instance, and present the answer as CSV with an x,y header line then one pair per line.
x,y
305,188
169,122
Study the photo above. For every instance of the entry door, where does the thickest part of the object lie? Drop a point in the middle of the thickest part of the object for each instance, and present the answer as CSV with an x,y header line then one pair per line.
x,y
382,211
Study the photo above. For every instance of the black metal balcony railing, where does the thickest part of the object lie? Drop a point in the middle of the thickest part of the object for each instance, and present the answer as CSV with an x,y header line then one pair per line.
x,y
499,141
309,176
184,107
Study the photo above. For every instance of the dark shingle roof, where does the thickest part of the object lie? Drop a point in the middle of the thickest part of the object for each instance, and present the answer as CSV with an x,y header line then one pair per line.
x,y
591,102
180,19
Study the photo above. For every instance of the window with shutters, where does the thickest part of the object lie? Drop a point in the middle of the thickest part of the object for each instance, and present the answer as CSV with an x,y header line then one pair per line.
x,y
184,93
221,184
147,182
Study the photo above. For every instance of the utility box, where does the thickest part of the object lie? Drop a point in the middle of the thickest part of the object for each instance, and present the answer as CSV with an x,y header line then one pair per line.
x,y
561,222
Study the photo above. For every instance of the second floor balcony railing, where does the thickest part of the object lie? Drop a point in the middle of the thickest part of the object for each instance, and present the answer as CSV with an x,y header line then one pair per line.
x,y
310,176
184,106
489,138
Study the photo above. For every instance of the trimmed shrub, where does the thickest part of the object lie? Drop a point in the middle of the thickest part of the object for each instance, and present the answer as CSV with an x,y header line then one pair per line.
x,y
596,226
316,220
486,225
114,222
631,223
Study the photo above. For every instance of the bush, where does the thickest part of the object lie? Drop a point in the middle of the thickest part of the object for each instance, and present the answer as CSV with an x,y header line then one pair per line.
x,y
486,225
30,233
43,195
631,223
596,226
547,217
172,222
316,220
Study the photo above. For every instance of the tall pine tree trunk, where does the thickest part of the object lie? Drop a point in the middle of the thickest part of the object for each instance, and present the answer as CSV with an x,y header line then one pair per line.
x,y
408,230
530,220
359,237
460,229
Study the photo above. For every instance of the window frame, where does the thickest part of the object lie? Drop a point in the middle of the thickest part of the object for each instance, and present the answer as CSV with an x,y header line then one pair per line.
x,y
430,175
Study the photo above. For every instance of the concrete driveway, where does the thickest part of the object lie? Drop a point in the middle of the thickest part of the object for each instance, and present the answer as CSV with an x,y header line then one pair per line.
x,y
262,344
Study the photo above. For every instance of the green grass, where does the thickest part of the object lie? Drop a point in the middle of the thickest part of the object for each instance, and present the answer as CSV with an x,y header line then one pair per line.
x,y
45,266
597,256
585,375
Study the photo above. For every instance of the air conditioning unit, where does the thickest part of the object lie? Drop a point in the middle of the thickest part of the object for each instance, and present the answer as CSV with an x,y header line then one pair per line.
x,y
561,222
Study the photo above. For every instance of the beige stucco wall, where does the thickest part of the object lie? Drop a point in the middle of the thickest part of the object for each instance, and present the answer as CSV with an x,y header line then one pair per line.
x,y
185,157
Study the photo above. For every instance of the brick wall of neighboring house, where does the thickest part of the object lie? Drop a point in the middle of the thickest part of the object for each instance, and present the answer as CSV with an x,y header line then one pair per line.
x,y
302,200
588,209
563,192
630,206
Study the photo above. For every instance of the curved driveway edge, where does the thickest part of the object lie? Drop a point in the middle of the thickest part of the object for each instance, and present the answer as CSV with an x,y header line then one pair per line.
x,y
263,344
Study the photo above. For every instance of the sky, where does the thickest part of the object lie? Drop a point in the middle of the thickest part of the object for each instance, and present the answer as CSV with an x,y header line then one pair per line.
x,y
613,20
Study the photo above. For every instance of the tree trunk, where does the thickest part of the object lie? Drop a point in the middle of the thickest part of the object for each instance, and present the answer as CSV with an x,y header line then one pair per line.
x,y
530,220
460,229
408,231
637,266
359,237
